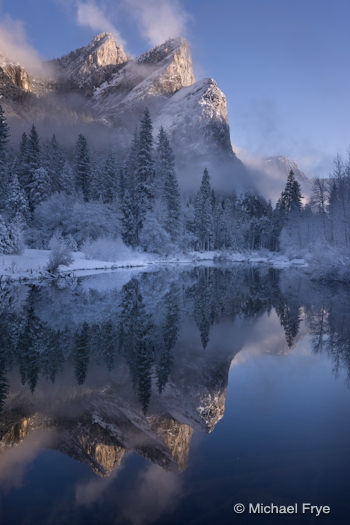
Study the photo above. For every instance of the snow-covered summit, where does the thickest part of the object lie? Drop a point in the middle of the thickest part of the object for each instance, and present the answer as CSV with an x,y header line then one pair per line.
x,y
113,91
89,66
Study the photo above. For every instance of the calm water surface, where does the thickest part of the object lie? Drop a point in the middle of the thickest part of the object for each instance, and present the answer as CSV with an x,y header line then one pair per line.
x,y
169,396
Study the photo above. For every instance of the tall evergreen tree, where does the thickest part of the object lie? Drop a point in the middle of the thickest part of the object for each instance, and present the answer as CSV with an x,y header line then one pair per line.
x,y
33,150
40,187
16,203
168,185
22,163
4,386
29,163
82,167
291,199
96,186
110,181
53,162
131,165
144,187
4,136
66,179
204,214
5,243
129,220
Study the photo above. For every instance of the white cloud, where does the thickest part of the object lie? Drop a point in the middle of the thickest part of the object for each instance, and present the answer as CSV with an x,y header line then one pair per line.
x,y
158,20
93,16
14,45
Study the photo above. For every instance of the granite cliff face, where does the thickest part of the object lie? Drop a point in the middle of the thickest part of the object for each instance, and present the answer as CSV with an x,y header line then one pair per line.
x,y
97,89
89,66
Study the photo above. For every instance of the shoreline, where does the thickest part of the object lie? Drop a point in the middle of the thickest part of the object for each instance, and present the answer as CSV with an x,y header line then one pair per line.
x,y
30,266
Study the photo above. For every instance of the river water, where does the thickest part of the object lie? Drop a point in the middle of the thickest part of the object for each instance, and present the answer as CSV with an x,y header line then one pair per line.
x,y
170,396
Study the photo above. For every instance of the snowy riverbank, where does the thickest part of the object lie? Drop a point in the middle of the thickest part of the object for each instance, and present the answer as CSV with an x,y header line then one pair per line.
x,y
32,263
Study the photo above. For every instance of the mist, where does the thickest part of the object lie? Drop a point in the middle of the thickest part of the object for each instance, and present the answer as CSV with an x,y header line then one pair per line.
x,y
90,15
15,47
158,20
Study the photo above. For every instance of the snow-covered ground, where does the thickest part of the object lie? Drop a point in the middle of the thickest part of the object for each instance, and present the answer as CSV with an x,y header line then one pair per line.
x,y
32,263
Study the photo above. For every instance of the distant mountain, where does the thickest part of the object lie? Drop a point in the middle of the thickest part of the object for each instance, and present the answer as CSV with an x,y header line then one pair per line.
x,y
279,167
100,91
270,173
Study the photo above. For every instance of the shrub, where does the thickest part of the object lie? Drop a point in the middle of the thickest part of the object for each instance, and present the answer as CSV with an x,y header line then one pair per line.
x,y
60,254
108,249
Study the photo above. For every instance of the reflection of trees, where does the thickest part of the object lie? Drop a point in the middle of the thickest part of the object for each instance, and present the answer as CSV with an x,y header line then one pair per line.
x,y
225,294
289,316
4,387
169,334
81,353
140,325
137,347
329,322
204,303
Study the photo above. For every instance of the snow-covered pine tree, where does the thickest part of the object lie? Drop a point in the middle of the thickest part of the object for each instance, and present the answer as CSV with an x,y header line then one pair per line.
x,y
30,148
82,167
288,209
219,234
4,135
290,199
109,179
144,187
167,184
53,162
204,214
122,183
66,179
131,164
33,150
40,187
4,237
22,162
129,220
96,178
16,202
15,228
10,237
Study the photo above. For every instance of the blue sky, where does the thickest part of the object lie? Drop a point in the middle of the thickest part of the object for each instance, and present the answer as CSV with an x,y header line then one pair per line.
x,y
283,64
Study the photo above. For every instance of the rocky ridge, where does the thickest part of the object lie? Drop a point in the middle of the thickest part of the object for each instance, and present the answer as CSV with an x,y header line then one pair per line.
x,y
100,91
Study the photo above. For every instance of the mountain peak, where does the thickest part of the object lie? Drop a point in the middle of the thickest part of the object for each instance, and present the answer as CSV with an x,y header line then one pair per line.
x,y
105,51
89,66
173,61
165,50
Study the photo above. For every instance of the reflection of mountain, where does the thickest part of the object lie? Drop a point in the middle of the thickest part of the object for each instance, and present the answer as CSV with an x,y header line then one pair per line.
x,y
102,443
137,369
98,426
